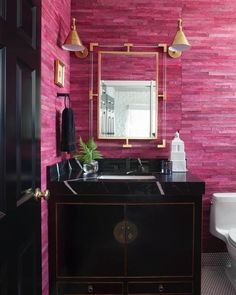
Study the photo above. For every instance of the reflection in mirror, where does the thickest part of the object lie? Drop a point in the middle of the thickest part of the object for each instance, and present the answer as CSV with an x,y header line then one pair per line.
x,y
128,92
128,109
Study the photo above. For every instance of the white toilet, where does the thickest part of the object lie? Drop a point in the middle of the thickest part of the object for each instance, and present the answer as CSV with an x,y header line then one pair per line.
x,y
223,226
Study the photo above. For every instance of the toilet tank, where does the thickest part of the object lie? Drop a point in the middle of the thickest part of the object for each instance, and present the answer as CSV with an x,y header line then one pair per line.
x,y
222,212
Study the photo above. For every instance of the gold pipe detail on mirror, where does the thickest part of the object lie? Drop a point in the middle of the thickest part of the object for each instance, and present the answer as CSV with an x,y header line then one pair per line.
x,y
164,46
162,145
162,96
128,45
127,145
91,94
91,45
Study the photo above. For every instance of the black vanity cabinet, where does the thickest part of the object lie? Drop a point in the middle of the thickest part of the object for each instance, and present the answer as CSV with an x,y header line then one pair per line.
x,y
123,236
102,240
125,247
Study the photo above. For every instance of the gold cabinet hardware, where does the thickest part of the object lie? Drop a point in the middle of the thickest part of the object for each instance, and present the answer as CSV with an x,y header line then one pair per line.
x,y
131,232
130,236
119,232
125,232
38,194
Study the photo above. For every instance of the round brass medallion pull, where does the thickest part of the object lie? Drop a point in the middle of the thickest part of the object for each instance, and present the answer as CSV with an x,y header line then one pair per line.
x,y
131,232
38,194
119,232
125,232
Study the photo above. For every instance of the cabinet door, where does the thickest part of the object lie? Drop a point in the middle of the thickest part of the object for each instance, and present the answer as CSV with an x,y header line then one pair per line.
x,y
164,241
85,243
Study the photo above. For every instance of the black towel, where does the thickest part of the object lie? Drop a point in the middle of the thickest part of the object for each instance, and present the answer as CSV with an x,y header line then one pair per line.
x,y
68,131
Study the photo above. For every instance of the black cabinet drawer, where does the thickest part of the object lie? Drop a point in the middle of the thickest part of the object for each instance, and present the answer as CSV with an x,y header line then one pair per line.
x,y
89,288
160,287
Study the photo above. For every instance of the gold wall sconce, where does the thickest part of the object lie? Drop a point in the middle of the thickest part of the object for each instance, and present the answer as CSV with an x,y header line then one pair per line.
x,y
180,42
73,42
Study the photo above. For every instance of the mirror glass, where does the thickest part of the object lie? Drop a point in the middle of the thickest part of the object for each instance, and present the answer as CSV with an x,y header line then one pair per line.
x,y
128,94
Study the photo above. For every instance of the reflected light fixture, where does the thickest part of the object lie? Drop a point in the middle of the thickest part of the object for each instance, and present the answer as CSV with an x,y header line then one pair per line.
x,y
180,42
73,42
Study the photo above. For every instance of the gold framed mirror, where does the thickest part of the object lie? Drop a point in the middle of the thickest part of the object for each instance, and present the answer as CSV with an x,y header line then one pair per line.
x,y
127,95
131,94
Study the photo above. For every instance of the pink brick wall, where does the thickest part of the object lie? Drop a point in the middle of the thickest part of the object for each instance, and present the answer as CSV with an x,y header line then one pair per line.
x,y
55,27
201,85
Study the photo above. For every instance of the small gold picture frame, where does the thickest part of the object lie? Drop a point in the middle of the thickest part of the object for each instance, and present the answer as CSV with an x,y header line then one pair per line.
x,y
59,73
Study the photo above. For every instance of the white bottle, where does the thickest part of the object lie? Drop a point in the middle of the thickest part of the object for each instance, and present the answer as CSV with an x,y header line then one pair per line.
x,y
177,154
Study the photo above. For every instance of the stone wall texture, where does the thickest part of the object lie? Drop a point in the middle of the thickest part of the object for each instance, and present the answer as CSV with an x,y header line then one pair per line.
x,y
55,27
201,85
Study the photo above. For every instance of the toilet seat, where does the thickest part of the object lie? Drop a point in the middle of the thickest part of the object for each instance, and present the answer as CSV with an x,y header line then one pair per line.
x,y
232,237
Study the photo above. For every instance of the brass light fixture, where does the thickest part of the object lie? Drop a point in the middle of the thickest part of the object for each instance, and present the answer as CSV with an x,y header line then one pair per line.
x,y
73,42
180,42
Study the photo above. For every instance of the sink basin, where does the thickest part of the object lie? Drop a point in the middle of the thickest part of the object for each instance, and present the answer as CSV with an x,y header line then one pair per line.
x,y
127,177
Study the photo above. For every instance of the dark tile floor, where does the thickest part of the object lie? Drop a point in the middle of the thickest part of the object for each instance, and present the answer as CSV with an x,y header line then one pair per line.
x,y
214,278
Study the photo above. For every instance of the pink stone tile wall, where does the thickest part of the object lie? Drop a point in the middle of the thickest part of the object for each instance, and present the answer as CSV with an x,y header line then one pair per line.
x,y
128,67
55,27
201,85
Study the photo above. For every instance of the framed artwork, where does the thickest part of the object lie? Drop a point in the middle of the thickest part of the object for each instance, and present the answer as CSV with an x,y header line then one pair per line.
x,y
59,73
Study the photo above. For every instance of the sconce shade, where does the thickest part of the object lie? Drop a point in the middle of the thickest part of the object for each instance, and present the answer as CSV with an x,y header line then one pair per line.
x,y
73,42
180,42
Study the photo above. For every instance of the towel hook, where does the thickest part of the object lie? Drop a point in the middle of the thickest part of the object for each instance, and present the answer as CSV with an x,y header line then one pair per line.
x,y
65,95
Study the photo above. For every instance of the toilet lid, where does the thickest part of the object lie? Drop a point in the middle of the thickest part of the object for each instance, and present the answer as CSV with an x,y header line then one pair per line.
x,y
232,237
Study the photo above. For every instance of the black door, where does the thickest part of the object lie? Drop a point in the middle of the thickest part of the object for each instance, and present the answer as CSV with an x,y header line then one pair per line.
x,y
20,244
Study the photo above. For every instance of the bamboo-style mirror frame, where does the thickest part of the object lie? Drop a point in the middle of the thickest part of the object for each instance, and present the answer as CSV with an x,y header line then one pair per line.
x,y
128,49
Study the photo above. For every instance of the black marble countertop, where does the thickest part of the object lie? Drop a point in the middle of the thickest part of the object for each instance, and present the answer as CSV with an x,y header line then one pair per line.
x,y
67,178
